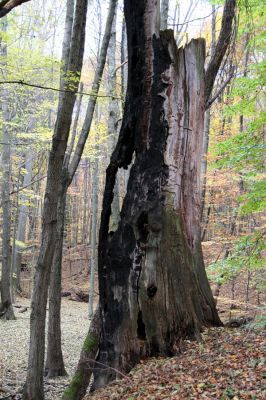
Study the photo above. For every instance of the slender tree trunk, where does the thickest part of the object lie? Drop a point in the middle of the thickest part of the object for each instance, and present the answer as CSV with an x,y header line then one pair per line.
x,y
93,262
124,68
164,14
204,162
113,116
22,219
206,132
33,389
81,379
85,202
5,195
54,363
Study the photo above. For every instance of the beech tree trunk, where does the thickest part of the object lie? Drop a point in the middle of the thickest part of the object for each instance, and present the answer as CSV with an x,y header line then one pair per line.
x,y
152,282
54,365
22,219
5,195
33,389
54,362
81,379
94,207
113,117
164,14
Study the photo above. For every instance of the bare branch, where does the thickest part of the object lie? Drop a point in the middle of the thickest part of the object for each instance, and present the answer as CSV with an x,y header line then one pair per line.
x,y
26,186
7,5
221,47
20,82
219,91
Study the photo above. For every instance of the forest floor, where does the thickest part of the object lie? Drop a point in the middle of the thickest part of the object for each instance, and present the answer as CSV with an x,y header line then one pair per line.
x,y
14,343
226,364
229,363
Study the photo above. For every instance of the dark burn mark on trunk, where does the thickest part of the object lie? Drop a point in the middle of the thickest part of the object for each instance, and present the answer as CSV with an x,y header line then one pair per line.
x,y
141,327
151,291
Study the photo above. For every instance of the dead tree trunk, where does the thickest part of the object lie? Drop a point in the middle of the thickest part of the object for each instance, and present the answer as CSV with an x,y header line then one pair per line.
x,y
152,281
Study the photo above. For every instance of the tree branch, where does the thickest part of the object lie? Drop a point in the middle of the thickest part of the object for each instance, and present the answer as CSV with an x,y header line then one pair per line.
x,y
221,47
7,5
219,91
20,82
95,88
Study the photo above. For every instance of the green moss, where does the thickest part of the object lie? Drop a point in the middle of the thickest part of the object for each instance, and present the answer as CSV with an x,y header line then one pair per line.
x,y
72,390
90,342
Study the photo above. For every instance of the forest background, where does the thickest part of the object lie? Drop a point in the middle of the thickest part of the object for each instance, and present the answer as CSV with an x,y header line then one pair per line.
x,y
232,221
233,167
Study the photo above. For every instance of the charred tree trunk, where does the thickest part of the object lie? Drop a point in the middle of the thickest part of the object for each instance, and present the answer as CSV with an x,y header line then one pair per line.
x,y
152,282
151,270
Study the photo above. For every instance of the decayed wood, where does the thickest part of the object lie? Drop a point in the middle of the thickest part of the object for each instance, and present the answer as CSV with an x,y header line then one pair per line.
x,y
153,286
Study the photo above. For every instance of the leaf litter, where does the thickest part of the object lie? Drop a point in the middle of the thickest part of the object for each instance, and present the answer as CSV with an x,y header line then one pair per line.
x,y
227,364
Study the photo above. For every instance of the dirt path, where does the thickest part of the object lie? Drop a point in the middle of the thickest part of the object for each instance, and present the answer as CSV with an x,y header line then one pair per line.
x,y
14,343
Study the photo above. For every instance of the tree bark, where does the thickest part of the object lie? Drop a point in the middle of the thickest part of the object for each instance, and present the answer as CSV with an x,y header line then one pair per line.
x,y
54,363
6,201
113,116
81,379
22,219
93,262
151,270
164,14
7,5
221,47
33,389
206,131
